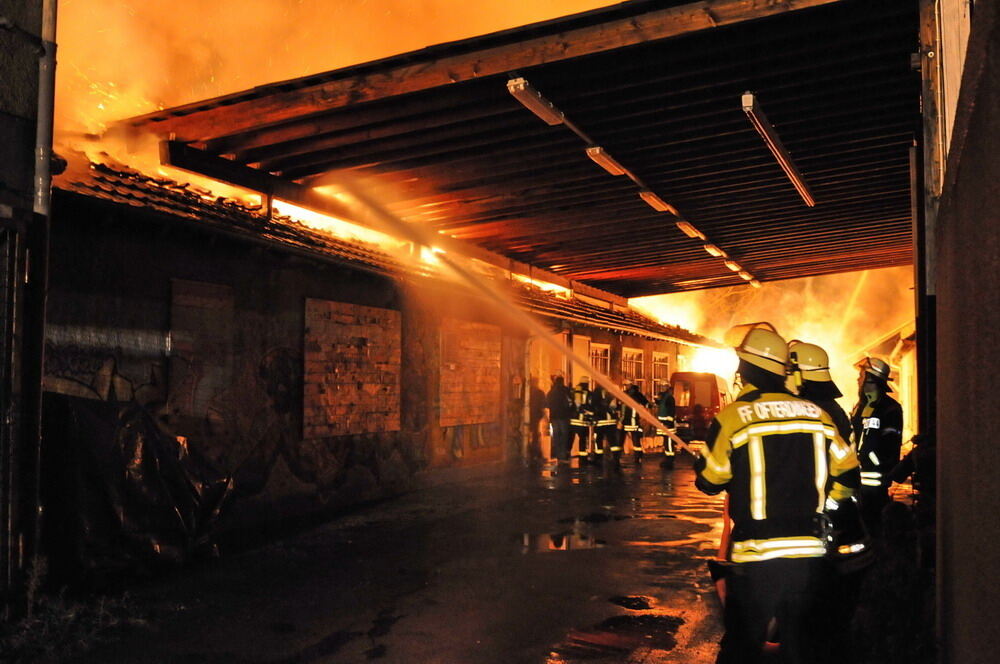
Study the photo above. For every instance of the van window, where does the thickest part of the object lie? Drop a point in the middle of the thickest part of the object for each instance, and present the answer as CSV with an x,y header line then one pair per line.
x,y
703,390
682,393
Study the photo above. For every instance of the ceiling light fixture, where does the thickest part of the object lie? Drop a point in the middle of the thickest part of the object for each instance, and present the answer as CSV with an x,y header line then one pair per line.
x,y
689,230
714,250
754,283
657,203
759,121
733,265
533,100
601,157
745,275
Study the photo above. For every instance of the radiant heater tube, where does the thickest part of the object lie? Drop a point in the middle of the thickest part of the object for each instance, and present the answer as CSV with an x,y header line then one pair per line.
x,y
759,121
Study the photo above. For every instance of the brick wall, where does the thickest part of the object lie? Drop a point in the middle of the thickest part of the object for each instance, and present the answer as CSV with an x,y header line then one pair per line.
x,y
470,372
352,369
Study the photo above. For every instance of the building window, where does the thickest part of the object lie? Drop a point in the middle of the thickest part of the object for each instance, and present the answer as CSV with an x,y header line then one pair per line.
x,y
600,358
661,372
632,367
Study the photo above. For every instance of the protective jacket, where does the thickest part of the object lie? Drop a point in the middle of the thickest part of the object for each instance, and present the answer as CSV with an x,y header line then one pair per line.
x,y
583,414
559,401
603,408
666,408
878,436
630,418
779,457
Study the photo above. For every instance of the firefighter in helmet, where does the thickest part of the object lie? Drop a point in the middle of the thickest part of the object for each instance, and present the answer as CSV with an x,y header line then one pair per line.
x,y
605,410
581,423
877,421
780,458
631,422
666,411
849,548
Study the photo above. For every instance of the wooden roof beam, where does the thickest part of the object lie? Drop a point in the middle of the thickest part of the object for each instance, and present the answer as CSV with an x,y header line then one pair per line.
x,y
270,104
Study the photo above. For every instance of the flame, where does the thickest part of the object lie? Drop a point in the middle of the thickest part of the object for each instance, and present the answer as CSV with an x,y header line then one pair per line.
x,y
842,313
719,361
546,286
337,227
120,58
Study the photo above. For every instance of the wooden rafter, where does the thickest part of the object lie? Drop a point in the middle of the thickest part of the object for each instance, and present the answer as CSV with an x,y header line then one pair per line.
x,y
271,104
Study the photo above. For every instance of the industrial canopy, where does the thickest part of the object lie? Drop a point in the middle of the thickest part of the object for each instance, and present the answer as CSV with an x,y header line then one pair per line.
x,y
627,148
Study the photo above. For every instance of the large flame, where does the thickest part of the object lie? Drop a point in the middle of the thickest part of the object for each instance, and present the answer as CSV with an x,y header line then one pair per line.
x,y
843,313
120,58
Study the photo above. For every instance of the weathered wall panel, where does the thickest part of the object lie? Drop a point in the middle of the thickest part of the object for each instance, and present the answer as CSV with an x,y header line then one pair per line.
x,y
470,373
352,369
968,358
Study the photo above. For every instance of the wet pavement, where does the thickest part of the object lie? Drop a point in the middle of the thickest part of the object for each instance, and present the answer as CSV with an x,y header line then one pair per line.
x,y
581,565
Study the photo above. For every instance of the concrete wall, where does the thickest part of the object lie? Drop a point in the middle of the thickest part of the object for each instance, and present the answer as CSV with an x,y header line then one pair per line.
x,y
968,411
18,101
315,386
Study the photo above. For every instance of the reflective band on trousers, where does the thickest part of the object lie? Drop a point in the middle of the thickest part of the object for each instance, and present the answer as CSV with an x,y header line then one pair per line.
x,y
748,551
871,478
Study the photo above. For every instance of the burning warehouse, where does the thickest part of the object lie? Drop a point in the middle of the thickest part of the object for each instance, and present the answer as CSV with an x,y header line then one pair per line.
x,y
335,300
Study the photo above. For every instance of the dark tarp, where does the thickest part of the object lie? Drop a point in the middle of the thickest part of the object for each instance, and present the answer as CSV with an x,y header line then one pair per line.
x,y
121,494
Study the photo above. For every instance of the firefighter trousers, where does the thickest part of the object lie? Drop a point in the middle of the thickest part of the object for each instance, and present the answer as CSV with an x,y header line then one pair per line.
x,y
786,589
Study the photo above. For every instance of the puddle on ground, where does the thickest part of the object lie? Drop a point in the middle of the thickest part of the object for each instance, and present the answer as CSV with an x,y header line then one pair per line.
x,y
618,637
595,517
633,602
564,541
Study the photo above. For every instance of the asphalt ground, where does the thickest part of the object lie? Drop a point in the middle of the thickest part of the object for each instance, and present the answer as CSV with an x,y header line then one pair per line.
x,y
563,565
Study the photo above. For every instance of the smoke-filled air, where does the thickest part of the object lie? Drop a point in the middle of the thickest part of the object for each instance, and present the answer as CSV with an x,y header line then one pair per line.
x,y
843,313
120,58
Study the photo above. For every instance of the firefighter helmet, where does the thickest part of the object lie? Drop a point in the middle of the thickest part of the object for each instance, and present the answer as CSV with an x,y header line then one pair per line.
x,y
584,380
875,366
760,345
809,360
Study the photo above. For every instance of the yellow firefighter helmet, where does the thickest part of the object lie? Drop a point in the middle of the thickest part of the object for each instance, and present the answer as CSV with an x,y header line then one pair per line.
x,y
809,360
760,345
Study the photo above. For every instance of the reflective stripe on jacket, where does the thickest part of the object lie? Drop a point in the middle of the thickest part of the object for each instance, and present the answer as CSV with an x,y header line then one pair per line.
x,y
779,457
878,436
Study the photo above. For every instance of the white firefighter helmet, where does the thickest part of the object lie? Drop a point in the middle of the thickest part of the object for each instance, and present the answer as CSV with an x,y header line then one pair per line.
x,y
584,380
809,360
760,345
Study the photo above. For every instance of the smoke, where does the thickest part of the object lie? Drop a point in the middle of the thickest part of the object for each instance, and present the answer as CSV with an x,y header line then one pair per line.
x,y
120,58
843,313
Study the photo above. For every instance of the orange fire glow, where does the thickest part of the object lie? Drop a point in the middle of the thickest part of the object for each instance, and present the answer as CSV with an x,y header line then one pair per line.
x,y
843,313
120,58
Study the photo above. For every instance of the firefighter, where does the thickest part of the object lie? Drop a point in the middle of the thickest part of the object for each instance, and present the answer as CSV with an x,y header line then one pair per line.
x,y
810,369
605,410
666,410
779,458
849,550
581,424
631,423
877,421
559,403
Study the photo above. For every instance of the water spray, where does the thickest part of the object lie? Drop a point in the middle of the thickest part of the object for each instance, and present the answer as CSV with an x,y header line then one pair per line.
x,y
425,238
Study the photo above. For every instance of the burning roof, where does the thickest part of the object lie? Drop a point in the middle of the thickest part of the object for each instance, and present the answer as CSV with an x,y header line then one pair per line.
x,y
120,185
